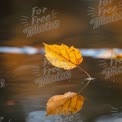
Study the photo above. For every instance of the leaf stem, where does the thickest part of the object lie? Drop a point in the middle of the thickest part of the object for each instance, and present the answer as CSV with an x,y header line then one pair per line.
x,y
88,77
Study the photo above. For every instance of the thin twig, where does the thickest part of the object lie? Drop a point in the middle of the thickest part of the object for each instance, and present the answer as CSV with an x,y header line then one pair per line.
x,y
88,77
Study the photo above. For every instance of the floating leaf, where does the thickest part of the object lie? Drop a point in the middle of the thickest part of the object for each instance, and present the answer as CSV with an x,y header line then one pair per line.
x,y
63,56
69,103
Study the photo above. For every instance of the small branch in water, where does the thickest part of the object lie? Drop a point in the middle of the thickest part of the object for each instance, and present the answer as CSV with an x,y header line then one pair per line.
x,y
88,79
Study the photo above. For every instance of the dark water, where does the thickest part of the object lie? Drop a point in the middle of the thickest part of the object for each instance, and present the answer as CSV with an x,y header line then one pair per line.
x,y
22,99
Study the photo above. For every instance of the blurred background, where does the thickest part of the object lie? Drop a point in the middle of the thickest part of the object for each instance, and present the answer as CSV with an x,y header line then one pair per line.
x,y
26,24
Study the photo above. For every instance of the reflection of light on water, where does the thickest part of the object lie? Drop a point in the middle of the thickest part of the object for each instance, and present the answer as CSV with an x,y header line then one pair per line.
x,y
40,116
110,118
95,53
26,50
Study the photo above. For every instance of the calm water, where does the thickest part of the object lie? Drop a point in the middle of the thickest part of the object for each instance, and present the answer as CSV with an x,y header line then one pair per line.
x,y
23,100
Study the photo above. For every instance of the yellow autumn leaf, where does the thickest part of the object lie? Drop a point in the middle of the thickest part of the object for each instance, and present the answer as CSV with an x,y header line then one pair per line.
x,y
118,57
63,56
69,103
